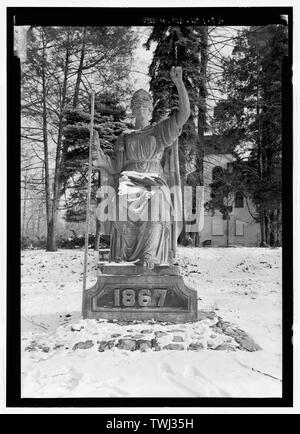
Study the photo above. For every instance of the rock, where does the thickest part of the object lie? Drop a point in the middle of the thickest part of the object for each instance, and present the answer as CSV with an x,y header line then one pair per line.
x,y
216,329
247,344
76,327
225,347
178,339
154,344
174,347
195,346
211,345
159,334
127,344
83,345
105,345
143,345
206,315
31,347
34,347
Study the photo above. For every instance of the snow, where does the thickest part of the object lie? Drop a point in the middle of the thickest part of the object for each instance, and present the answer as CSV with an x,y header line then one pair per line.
x,y
240,285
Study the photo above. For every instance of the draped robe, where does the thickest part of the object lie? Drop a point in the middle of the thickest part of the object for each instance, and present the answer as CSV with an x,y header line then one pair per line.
x,y
148,219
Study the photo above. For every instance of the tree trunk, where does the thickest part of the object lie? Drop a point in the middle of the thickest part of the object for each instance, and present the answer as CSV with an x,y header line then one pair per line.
x,y
80,69
33,227
267,227
24,206
271,228
202,109
45,141
38,221
262,228
51,244
279,226
227,230
57,184
260,162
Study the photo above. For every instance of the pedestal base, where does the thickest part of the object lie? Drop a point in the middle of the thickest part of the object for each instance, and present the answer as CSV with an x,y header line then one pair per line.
x,y
129,292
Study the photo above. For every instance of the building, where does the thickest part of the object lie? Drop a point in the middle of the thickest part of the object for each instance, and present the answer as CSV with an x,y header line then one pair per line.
x,y
241,228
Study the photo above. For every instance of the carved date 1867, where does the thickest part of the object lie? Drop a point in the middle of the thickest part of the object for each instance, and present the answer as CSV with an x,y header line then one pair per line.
x,y
142,297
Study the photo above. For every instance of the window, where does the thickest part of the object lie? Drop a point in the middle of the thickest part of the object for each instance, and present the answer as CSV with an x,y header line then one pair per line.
x,y
239,228
217,226
238,200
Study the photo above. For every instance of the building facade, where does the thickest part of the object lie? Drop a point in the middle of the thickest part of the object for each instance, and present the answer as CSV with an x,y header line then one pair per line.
x,y
242,227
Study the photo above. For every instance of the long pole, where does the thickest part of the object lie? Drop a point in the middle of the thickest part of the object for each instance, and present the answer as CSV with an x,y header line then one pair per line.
x,y
88,201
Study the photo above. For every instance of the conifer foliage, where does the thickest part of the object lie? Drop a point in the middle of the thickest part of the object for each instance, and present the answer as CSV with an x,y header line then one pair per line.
x,y
109,123
251,113
184,46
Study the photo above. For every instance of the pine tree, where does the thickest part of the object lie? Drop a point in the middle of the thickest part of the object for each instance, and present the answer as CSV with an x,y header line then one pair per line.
x,y
185,46
251,113
109,122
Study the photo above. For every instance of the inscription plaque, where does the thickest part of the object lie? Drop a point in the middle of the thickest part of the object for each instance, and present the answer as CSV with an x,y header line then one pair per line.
x,y
139,298
160,294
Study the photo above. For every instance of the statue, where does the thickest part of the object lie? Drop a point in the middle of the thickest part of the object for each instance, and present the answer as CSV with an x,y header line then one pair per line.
x,y
140,282
148,235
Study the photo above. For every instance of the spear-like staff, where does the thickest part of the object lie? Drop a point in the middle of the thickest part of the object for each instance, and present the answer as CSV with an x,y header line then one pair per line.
x,y
88,201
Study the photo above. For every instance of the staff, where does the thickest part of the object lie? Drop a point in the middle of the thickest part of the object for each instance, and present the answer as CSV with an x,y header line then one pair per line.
x,y
88,191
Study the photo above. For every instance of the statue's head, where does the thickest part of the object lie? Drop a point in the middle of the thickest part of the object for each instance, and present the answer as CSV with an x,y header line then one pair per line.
x,y
141,104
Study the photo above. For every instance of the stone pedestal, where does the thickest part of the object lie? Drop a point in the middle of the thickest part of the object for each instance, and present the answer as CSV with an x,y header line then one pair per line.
x,y
129,292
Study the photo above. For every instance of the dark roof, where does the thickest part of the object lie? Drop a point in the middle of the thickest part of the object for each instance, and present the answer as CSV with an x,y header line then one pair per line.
x,y
214,144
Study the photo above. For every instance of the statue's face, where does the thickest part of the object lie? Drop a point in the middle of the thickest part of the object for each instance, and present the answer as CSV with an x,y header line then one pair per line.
x,y
142,111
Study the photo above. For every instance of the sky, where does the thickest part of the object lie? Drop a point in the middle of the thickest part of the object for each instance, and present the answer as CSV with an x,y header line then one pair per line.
x,y
142,60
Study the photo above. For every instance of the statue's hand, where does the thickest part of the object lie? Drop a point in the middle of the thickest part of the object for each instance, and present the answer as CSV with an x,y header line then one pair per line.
x,y
176,75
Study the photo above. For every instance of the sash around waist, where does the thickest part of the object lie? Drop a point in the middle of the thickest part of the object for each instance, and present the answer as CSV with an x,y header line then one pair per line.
x,y
143,165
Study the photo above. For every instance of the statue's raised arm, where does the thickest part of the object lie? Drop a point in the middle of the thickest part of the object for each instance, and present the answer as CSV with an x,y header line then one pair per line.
x,y
184,111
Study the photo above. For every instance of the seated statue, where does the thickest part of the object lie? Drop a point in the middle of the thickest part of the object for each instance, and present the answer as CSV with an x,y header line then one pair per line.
x,y
148,193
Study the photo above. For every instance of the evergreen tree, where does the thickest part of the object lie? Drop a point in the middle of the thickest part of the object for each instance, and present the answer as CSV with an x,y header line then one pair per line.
x,y
109,122
185,46
251,113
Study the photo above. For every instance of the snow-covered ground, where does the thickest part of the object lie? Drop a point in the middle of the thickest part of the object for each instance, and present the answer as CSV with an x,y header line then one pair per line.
x,y
242,286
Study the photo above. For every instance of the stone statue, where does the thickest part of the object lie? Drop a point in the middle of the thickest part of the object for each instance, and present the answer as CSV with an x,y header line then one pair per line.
x,y
148,235
142,181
